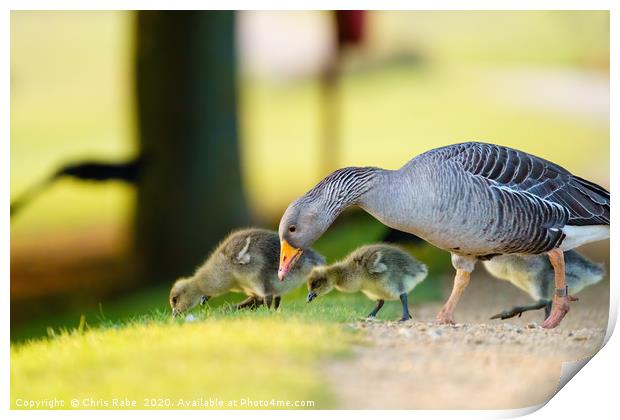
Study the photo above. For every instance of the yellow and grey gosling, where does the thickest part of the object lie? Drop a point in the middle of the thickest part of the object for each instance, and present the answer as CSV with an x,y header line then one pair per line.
x,y
246,261
382,272
535,276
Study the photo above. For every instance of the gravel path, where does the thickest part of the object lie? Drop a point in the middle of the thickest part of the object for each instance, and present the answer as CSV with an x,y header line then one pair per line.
x,y
479,364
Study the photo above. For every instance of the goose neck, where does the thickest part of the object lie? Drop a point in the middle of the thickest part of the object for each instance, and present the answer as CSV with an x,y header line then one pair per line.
x,y
344,188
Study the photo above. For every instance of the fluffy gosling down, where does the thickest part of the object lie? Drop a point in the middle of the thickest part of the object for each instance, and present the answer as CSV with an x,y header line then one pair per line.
x,y
381,272
535,276
247,262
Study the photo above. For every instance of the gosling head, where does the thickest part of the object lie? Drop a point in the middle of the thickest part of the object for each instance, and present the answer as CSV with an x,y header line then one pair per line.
x,y
184,295
319,283
301,225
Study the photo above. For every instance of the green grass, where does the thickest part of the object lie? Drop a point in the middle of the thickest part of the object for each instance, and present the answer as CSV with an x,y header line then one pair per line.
x,y
153,304
131,348
140,352
265,357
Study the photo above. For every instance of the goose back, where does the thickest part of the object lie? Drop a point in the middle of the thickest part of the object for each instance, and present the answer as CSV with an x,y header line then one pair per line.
x,y
479,199
518,172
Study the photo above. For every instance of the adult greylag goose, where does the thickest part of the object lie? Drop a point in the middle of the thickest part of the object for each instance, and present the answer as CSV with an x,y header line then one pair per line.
x,y
475,200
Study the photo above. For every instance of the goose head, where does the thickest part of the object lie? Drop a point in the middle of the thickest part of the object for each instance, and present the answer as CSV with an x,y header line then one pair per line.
x,y
307,218
301,225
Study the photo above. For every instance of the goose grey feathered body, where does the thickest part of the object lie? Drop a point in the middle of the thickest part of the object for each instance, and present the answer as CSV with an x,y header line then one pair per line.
x,y
476,200
480,200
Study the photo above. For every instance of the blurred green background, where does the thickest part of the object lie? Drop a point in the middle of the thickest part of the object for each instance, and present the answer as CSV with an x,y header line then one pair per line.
x,y
537,81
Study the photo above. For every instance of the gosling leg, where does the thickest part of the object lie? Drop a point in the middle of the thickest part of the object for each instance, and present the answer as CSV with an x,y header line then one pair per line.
x,y
406,315
250,302
446,314
560,305
518,310
373,313
276,302
268,300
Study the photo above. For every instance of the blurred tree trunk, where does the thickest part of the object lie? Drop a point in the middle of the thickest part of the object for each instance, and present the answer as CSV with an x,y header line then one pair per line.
x,y
189,192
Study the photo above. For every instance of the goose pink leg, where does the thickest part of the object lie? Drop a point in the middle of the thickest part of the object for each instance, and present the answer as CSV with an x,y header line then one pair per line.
x,y
561,298
446,314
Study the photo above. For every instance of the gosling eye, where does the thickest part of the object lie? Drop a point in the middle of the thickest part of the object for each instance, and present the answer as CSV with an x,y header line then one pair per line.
x,y
174,300
292,228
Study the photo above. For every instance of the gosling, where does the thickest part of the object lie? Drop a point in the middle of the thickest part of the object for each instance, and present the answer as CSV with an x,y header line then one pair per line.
x,y
535,276
381,272
247,262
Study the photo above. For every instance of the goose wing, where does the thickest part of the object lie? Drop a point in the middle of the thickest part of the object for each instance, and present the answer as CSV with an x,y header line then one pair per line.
x,y
518,173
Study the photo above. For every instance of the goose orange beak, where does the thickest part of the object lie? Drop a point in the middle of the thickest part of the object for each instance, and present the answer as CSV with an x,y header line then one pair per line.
x,y
288,257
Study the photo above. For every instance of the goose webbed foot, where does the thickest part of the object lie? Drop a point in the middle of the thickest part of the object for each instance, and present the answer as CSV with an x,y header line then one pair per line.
x,y
445,318
559,309
550,302
518,310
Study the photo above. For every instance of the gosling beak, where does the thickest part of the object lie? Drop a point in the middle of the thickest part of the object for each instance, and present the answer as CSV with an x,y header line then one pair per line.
x,y
310,297
204,299
288,257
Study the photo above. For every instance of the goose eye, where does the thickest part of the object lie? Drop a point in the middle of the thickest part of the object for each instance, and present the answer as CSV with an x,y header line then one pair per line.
x,y
292,228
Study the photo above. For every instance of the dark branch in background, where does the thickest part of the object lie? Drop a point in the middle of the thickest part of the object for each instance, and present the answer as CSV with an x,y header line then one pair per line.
x,y
99,171
86,171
